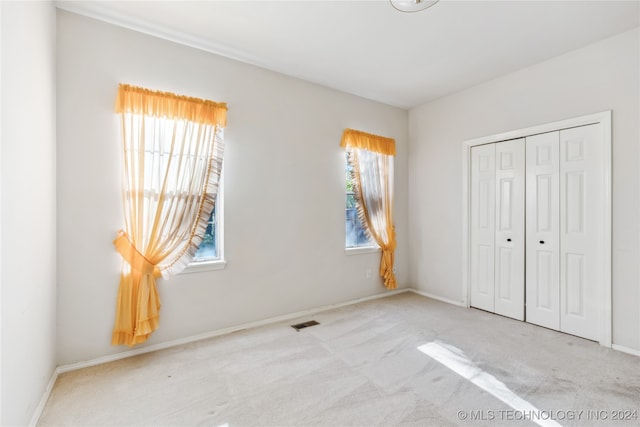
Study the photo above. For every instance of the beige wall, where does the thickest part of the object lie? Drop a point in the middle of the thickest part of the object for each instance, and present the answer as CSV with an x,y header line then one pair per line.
x,y
602,76
284,189
28,291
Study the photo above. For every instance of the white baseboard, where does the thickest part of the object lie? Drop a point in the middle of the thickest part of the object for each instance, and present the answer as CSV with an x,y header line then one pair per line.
x,y
206,335
625,349
438,298
43,400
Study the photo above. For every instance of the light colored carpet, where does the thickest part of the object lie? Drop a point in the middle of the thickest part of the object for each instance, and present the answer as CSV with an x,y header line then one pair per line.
x,y
360,366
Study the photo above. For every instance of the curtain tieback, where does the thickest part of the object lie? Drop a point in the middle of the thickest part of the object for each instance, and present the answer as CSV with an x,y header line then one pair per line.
x,y
386,269
386,263
136,260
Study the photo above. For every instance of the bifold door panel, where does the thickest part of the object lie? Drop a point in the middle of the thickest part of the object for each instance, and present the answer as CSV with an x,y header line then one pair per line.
x,y
509,236
483,218
543,230
582,210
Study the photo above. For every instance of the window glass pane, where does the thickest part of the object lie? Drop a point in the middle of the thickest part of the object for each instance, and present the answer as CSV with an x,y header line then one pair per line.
x,y
209,247
355,234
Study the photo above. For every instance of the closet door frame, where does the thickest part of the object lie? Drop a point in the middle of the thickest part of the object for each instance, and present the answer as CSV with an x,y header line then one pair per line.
x,y
604,120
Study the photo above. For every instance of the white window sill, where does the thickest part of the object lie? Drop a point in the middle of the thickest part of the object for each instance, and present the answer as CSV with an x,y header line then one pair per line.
x,y
362,250
200,266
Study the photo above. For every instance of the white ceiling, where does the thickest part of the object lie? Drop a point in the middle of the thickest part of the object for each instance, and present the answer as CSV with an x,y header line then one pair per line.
x,y
368,48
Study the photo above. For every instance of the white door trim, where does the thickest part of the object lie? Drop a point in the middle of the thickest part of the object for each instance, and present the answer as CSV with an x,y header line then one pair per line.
x,y
602,118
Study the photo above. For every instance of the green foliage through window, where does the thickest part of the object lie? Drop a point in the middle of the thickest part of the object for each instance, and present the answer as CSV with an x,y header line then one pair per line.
x,y
209,247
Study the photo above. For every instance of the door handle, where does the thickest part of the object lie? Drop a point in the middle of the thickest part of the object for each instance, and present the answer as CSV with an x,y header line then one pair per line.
x,y
542,242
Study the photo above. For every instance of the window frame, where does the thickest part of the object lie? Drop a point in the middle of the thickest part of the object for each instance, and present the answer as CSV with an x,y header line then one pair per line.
x,y
362,250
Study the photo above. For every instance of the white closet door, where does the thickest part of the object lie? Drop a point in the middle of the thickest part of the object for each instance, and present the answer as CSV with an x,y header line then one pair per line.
x,y
509,236
542,230
581,192
483,205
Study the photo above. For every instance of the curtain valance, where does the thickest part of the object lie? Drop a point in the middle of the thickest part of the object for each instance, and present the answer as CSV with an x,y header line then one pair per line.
x,y
137,100
375,143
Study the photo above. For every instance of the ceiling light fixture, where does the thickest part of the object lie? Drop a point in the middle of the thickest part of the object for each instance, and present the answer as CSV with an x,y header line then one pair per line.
x,y
412,5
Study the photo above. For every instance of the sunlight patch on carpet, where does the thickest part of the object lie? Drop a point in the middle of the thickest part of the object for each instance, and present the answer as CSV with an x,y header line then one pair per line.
x,y
455,359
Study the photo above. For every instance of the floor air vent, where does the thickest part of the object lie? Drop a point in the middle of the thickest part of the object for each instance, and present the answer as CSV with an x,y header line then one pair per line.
x,y
303,325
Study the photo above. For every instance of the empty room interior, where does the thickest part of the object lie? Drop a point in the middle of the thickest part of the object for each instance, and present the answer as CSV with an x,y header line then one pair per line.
x,y
323,213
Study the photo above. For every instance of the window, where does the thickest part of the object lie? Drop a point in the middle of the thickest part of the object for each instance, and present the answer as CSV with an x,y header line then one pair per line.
x,y
210,254
208,249
356,237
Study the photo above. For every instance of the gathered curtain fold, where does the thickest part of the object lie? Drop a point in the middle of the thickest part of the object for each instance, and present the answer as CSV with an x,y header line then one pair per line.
x,y
371,158
172,157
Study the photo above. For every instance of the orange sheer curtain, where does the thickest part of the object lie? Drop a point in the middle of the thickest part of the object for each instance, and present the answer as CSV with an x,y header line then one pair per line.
x,y
371,157
172,157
